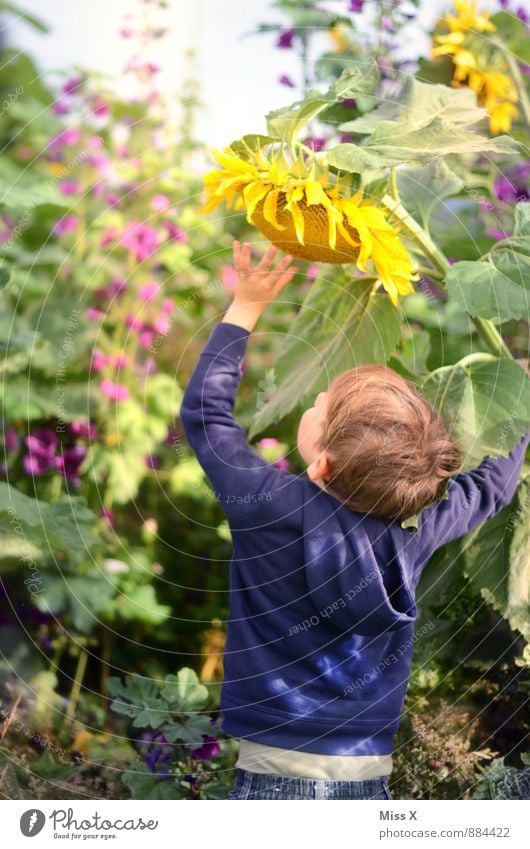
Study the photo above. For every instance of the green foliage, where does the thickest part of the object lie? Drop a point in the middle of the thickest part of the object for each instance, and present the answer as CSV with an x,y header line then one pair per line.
x,y
498,781
499,284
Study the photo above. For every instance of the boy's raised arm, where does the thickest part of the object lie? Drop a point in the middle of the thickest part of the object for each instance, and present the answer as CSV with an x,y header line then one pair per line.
x,y
238,474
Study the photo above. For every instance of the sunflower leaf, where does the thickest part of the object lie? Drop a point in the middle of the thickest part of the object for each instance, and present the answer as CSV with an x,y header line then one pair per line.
x,y
339,326
498,285
485,403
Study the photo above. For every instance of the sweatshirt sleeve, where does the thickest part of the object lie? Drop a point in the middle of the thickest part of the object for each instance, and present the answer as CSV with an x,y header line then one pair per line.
x,y
473,497
238,474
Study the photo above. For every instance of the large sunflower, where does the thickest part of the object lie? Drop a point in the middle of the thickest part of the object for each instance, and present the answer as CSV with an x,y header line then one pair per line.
x,y
296,207
476,65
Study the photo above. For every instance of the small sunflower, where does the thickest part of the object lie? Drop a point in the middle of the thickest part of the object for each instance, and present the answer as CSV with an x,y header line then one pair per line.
x,y
476,66
296,207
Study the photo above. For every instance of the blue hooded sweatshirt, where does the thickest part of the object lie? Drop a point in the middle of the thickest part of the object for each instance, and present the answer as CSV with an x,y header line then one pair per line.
x,y
322,599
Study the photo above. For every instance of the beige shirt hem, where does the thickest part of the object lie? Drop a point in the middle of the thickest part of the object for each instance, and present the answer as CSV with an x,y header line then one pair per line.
x,y
270,760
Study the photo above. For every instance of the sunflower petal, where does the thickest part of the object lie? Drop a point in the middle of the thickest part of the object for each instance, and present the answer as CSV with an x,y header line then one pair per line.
x,y
270,209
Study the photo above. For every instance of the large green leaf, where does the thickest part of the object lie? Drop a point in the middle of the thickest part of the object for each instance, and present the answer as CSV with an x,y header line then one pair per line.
x,y
499,283
64,525
426,121
484,401
83,599
497,560
424,187
286,123
340,325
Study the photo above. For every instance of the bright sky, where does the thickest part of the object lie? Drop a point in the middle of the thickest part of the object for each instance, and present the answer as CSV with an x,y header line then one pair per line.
x,y
238,74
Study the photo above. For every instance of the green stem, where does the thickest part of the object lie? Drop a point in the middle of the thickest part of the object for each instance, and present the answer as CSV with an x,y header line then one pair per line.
x,y
78,680
488,332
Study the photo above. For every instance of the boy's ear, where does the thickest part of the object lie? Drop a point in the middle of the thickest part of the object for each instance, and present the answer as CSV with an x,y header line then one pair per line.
x,y
320,467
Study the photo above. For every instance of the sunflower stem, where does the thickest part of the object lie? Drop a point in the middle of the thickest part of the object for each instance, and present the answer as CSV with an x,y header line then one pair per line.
x,y
485,328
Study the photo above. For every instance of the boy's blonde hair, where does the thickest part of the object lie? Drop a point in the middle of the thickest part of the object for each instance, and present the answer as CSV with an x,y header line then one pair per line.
x,y
389,450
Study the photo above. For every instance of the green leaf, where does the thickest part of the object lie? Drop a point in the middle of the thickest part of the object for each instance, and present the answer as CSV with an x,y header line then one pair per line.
x,y
189,731
287,123
498,285
139,698
497,560
142,783
32,20
141,604
185,690
485,403
426,121
64,525
82,598
355,159
5,276
340,325
423,188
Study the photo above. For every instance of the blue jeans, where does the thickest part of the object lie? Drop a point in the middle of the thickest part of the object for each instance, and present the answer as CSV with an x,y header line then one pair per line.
x,y
253,785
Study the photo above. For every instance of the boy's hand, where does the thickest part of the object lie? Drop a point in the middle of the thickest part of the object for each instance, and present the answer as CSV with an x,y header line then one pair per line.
x,y
256,287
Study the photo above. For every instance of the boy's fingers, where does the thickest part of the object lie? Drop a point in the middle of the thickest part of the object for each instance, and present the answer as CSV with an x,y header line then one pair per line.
x,y
267,257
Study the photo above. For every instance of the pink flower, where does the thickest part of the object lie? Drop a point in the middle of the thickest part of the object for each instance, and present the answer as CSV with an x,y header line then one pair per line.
x,y
69,187
71,85
141,239
110,235
149,290
68,136
99,360
145,338
60,107
65,225
84,430
285,80
94,314
132,322
312,271
125,32
121,361
228,277
100,108
113,199
108,514
149,366
161,323
168,305
160,203
114,391
174,233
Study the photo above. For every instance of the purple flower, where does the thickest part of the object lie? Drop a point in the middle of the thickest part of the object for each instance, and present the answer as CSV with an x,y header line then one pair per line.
x,y
349,103
114,391
69,187
84,430
60,107
41,444
108,515
190,778
71,85
99,360
149,290
209,748
65,225
316,143
523,15
94,314
160,203
152,462
498,235
345,138
100,108
504,4
132,322
145,338
114,289
11,440
286,38
66,137
356,5
113,199
67,464
525,69
285,80
141,239
174,233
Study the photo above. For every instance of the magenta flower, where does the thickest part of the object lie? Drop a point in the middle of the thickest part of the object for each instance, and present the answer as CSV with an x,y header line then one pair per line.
x,y
100,108
84,430
69,187
113,199
152,462
11,440
312,271
209,748
141,239
114,391
285,80
125,32
99,360
121,361
161,323
65,137
174,233
94,314
67,464
72,85
149,290
132,322
41,444
285,39
160,203
110,235
345,138
145,338
149,366
108,515
168,305
356,5
65,225
349,103
316,143
60,107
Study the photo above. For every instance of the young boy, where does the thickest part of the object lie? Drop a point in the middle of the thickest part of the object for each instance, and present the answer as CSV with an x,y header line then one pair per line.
x,y
323,576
